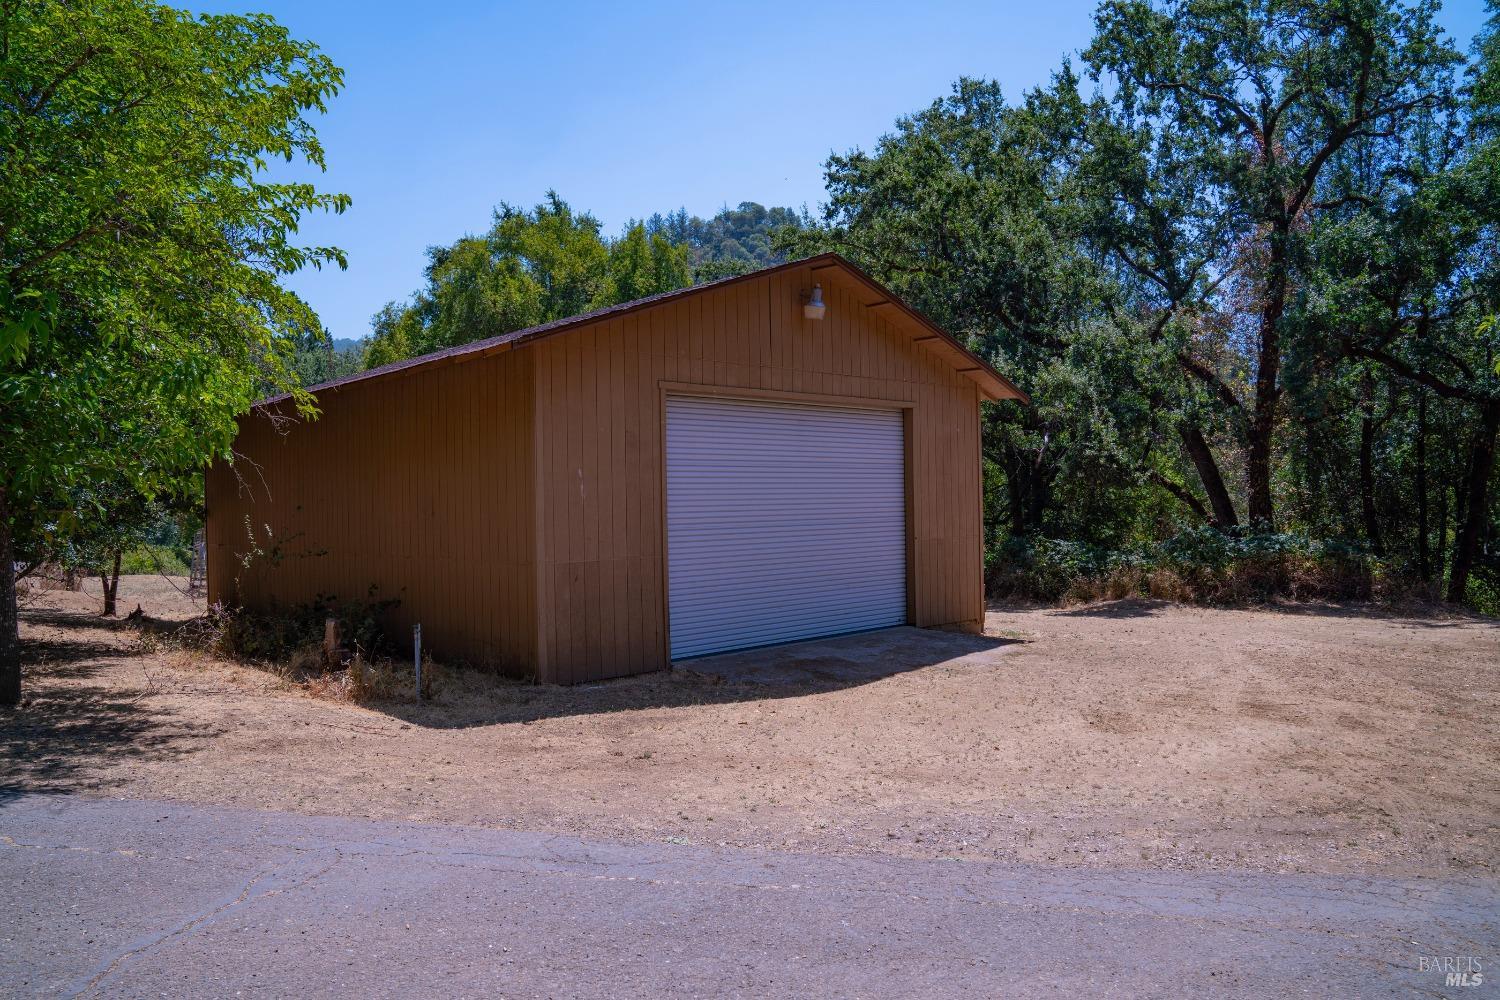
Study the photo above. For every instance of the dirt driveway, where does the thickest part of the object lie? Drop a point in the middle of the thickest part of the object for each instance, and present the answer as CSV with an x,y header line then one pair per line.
x,y
1132,735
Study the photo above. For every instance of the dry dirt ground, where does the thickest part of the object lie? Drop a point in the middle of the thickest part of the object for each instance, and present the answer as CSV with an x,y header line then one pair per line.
x,y
1127,734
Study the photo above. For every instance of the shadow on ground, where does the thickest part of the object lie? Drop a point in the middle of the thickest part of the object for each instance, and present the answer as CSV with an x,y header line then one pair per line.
x,y
71,726
845,660
74,722
465,698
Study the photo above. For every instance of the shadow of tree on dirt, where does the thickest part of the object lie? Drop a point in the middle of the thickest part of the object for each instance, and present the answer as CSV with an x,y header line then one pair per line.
x,y
68,731
1416,616
1131,607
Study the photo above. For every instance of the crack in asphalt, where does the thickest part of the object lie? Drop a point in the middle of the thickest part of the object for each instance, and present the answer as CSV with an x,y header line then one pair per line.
x,y
156,940
195,923
12,842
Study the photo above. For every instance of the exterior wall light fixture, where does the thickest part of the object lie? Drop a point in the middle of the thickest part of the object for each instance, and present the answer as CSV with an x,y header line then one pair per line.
x,y
813,307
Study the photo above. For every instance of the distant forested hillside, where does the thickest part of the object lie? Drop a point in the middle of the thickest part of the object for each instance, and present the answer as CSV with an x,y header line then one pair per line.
x,y
319,359
734,241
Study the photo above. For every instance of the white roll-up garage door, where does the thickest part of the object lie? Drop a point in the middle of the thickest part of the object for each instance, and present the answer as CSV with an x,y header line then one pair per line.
x,y
783,522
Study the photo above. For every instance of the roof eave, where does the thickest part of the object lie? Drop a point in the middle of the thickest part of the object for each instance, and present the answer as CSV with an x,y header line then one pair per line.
x,y
991,383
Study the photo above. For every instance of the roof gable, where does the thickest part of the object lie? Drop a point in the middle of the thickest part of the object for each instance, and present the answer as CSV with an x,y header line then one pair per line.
x,y
991,383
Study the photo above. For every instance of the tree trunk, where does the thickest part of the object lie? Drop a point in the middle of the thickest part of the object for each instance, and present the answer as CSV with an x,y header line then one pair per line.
x,y
1476,501
1424,554
10,634
1015,496
1441,548
1367,484
1461,499
1040,495
1260,512
1208,472
111,586
1028,486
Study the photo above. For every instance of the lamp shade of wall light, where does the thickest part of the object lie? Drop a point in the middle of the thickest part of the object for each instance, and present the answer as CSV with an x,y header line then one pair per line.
x,y
814,308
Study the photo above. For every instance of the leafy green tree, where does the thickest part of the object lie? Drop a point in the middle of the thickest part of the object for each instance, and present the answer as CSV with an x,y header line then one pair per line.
x,y
91,527
1405,290
394,331
1265,95
970,211
532,267
142,245
1150,216
642,265
1260,256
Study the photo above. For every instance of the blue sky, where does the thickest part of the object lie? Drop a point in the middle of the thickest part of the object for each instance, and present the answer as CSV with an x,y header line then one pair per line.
x,y
626,109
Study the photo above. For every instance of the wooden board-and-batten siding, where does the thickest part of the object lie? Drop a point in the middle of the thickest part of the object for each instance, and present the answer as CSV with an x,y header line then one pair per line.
x,y
514,502
420,487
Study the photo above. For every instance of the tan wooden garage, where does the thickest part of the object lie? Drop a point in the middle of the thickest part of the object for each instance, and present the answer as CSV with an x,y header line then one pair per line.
x,y
705,470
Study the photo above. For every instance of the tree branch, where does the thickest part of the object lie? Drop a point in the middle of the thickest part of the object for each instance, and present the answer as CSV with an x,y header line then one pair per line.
x,y
1232,105
1406,371
1181,493
1339,202
1341,135
65,245
1211,378
38,102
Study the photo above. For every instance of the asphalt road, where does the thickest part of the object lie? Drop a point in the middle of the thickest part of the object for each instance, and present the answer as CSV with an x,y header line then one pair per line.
x,y
115,898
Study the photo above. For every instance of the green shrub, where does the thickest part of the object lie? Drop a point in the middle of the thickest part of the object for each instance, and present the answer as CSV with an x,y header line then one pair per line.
x,y
148,558
1042,569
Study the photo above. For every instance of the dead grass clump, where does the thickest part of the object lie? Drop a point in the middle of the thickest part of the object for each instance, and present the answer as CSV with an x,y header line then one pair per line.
x,y
287,645
1115,585
1247,581
1332,578
1084,590
448,690
1198,565
364,682
1126,581
362,679
1166,585
305,661
1295,577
